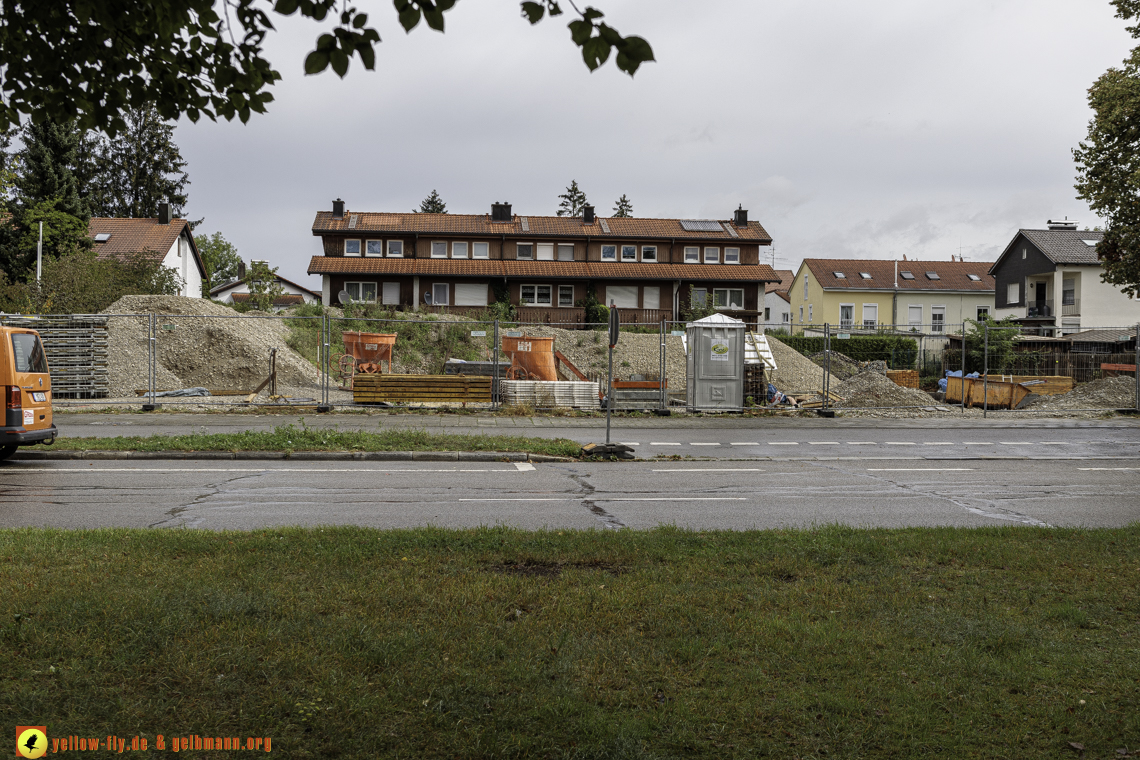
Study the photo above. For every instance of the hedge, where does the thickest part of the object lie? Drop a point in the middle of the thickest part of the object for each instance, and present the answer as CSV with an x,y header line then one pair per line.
x,y
897,351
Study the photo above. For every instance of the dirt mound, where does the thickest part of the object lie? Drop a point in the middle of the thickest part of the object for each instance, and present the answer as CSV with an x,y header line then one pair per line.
x,y
1108,393
635,354
870,388
200,344
795,373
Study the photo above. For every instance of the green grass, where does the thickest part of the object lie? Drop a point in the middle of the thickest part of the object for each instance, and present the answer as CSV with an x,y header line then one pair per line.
x,y
293,438
357,643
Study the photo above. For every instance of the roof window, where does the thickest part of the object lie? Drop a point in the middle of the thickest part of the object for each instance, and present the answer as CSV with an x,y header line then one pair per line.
x,y
865,275
102,237
974,277
839,275
906,275
1090,243
932,276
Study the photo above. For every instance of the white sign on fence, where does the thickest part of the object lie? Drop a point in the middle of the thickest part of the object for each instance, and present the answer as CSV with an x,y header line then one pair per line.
x,y
512,333
478,333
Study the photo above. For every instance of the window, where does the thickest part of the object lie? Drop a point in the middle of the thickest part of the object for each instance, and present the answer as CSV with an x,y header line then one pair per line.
x,y
621,296
914,315
525,251
651,297
459,250
471,294
546,252
870,315
805,294
480,251
767,314
363,292
439,293
692,255
391,294
865,275
983,312
846,315
1013,294
839,275
729,298
1068,292
396,248
439,250
700,296
351,247
974,278
731,255
565,252
609,253
937,319
565,296
932,276
102,237
649,253
787,318
906,275
629,253
801,315
374,247
1089,243
28,353
712,255
810,318
1024,252
534,295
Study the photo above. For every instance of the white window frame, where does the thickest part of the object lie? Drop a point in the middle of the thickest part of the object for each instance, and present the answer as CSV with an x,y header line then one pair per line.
x,y
715,255
558,251
359,246
846,324
735,253
981,311
703,299
562,289
436,243
360,290
549,295
935,325
612,253
632,249
911,322
649,253
801,315
810,317
368,244
455,245
539,249
1014,290
874,306
728,298
692,254
399,244
519,249
435,286
392,303
486,248
805,287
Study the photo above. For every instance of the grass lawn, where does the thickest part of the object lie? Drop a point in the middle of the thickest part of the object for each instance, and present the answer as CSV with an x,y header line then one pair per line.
x,y
293,438
359,643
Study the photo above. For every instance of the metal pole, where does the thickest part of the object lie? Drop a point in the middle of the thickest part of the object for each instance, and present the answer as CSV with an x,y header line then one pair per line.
x,y
496,401
963,357
661,366
153,357
826,362
610,395
1137,373
40,254
986,374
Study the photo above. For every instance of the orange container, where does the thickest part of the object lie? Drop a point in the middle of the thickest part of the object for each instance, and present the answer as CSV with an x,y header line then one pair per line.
x,y
534,356
369,347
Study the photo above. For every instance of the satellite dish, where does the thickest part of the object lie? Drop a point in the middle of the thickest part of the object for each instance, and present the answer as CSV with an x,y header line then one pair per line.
x,y
344,298
427,298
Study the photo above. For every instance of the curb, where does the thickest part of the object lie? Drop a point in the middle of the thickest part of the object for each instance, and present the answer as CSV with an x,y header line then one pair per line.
x,y
296,456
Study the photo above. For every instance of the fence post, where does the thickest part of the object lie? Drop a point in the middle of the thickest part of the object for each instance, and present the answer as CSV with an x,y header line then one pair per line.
x,y
963,357
326,339
826,363
661,369
1137,372
986,374
496,399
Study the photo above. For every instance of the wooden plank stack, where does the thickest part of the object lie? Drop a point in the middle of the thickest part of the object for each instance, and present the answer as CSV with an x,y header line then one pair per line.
x,y
907,378
375,388
76,349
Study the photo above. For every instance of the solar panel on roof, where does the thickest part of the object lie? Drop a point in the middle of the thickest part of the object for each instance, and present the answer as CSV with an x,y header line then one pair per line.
x,y
701,225
102,237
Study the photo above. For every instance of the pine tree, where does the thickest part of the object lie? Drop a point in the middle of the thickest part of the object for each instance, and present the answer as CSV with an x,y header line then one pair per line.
x,y
138,169
433,204
623,209
48,166
572,200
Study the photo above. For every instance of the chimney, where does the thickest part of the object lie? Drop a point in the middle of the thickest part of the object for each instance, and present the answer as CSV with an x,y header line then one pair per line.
x,y
740,216
241,270
587,215
1062,224
164,212
501,212
338,209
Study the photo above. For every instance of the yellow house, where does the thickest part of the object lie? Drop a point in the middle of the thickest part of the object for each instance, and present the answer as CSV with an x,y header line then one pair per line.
x,y
924,296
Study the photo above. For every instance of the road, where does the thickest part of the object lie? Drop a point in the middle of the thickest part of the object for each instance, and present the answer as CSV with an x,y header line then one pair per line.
x,y
862,492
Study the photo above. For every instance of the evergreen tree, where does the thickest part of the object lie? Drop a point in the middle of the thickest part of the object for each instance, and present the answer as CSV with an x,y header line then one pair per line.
x,y
48,166
572,200
433,204
220,258
9,165
623,209
138,168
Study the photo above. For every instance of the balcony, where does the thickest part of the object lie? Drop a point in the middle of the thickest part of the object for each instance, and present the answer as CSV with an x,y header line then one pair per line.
x,y
1070,306
1039,309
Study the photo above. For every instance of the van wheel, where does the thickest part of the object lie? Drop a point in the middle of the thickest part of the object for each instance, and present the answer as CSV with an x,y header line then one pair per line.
x,y
7,451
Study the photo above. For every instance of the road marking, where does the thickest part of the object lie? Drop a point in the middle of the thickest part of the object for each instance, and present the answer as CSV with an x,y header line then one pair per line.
x,y
744,443
901,443
783,443
824,443
629,443
712,469
703,443
977,443
919,469
659,443
1109,469
524,466
1052,443
630,498
570,498
1016,443
939,443
862,443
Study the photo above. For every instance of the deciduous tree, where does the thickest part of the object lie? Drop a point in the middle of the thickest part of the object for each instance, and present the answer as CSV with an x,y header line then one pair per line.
x,y
220,257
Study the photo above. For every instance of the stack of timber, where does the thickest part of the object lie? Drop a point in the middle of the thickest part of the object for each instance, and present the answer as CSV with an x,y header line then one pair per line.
x,y
76,349
545,393
482,369
399,389
907,378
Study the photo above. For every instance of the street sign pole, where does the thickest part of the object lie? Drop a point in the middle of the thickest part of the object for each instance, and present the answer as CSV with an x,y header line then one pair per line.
x,y
614,329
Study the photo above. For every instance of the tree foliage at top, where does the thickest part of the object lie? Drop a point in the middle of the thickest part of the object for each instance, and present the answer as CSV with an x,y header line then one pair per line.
x,y
433,204
572,201
138,169
264,287
1108,163
80,283
220,258
623,209
97,60
49,163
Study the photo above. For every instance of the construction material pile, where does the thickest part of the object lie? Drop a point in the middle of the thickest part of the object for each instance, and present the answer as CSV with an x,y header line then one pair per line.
x,y
1108,393
201,344
843,366
635,354
795,373
874,389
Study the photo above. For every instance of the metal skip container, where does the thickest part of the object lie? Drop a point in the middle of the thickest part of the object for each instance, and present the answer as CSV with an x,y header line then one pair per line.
x,y
715,363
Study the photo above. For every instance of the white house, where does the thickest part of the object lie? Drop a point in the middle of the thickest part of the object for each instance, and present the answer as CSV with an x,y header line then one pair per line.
x,y
237,291
777,303
163,239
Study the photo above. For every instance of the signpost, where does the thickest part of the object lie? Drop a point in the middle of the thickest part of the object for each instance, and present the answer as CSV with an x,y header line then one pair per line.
x,y
610,449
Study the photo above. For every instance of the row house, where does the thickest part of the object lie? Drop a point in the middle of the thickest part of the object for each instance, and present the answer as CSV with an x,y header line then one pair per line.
x,y
544,265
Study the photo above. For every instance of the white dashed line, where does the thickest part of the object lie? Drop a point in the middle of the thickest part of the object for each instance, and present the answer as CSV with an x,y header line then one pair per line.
x,y
744,443
823,443
629,443
712,469
1052,443
919,469
703,443
901,443
862,443
1109,469
939,443
783,443
1016,443
977,443
661,443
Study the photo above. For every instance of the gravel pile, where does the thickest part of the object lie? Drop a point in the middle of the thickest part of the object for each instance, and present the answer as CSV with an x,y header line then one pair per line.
x,y
224,354
795,373
870,388
843,366
1109,393
635,354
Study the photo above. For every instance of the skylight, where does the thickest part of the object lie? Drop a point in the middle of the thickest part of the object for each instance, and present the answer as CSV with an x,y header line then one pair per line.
x,y
906,275
865,275
1091,243
102,237
932,276
839,275
974,277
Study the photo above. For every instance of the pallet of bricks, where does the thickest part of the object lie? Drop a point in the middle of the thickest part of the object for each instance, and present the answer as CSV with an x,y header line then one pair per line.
x,y
76,350
402,389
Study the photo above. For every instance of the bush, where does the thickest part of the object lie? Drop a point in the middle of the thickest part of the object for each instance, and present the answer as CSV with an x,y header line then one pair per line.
x,y
596,311
898,352
80,283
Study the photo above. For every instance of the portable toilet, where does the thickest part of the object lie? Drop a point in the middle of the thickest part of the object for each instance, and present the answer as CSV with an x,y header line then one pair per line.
x,y
715,363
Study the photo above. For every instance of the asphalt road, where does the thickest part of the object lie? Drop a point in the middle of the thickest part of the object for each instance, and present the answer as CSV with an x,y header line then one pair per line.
x,y
861,492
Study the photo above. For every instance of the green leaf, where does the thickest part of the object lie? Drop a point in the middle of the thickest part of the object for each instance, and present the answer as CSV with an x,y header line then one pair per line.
x,y
533,12
595,52
434,19
286,7
360,20
339,62
409,14
367,56
580,31
316,62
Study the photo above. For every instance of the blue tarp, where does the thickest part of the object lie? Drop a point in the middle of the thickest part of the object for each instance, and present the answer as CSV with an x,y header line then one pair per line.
x,y
953,373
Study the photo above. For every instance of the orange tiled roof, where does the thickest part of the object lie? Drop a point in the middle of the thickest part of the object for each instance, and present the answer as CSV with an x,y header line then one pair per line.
x,y
551,269
952,275
145,236
785,283
536,227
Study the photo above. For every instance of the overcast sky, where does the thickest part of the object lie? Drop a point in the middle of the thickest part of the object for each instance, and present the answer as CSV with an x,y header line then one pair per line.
x,y
848,129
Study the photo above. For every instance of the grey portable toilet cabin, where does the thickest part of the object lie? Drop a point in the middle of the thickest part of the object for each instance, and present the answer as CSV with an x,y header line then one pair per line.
x,y
715,363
